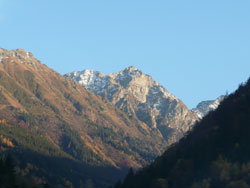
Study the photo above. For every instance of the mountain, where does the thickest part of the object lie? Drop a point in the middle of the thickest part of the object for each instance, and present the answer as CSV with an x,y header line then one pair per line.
x,y
214,154
59,132
204,107
142,98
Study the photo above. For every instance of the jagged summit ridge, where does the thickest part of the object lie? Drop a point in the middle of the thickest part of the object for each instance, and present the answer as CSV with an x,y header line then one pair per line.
x,y
131,69
140,96
204,107
19,55
90,79
140,85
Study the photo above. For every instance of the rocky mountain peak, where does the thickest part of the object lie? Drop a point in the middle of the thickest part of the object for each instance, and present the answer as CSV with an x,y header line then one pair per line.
x,y
125,76
19,56
90,79
204,107
140,96
131,69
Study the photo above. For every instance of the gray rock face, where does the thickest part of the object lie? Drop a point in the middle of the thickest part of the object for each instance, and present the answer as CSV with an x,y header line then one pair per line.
x,y
140,96
204,107
23,57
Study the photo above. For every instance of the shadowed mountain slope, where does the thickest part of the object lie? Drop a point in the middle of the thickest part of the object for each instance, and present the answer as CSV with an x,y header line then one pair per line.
x,y
214,154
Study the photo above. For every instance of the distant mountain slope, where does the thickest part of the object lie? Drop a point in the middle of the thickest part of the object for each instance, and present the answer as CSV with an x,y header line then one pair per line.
x,y
215,154
204,107
51,118
140,97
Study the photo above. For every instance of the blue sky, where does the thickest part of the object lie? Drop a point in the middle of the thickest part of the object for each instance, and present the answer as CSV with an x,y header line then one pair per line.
x,y
197,49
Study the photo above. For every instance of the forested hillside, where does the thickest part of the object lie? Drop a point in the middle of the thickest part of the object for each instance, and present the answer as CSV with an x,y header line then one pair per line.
x,y
215,154
61,133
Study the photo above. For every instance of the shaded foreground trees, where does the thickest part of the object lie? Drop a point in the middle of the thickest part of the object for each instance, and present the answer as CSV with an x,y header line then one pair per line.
x,y
9,179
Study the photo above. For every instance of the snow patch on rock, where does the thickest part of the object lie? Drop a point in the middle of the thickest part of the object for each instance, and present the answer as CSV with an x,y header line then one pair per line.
x,y
204,107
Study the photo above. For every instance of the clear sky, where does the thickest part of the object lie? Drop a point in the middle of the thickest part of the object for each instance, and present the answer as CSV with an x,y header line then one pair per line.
x,y
197,49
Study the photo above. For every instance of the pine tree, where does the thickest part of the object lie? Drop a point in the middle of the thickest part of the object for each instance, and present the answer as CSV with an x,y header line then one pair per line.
x,y
10,172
